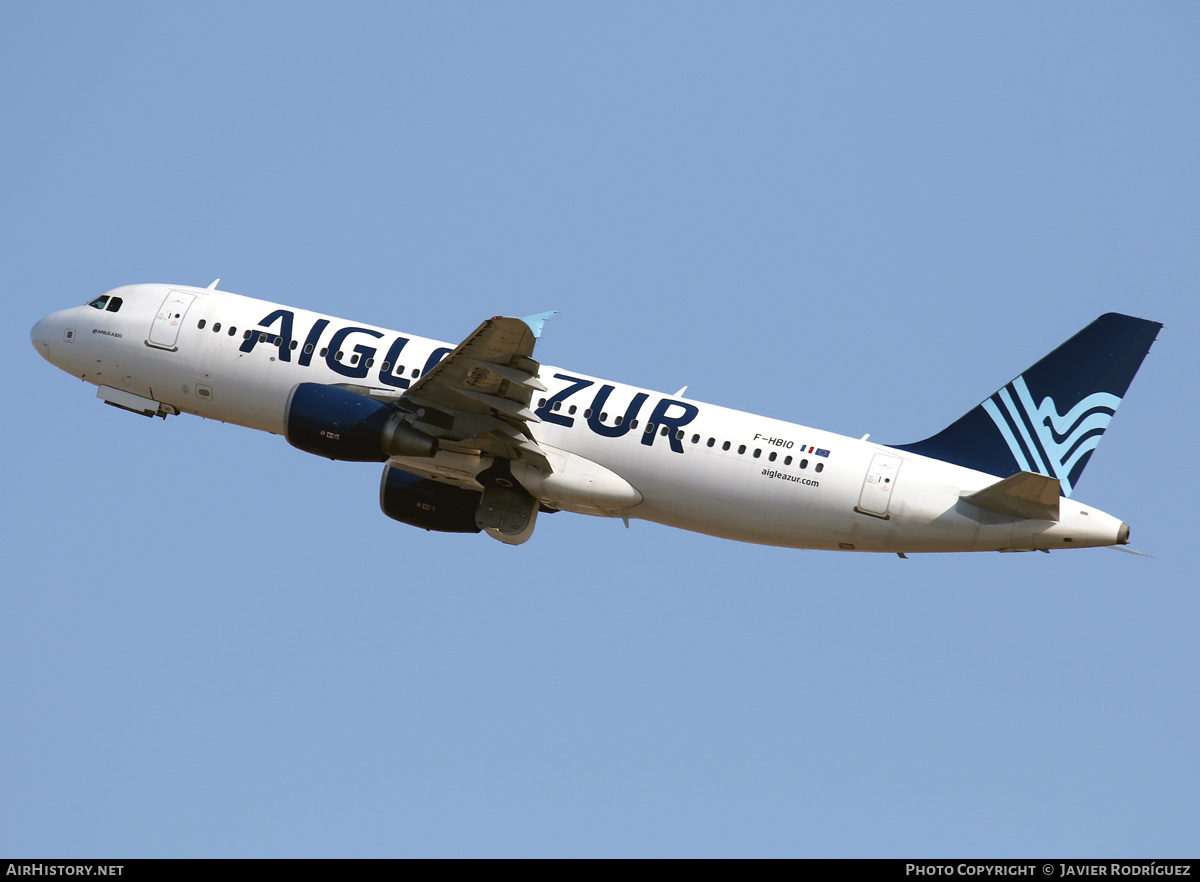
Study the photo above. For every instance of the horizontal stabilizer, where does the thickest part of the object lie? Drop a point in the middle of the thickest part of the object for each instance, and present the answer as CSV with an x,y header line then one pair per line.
x,y
1023,495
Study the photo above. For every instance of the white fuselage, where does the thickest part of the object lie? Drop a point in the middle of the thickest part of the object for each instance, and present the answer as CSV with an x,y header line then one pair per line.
x,y
757,480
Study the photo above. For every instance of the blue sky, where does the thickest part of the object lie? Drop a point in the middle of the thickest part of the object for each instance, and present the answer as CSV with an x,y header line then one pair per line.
x,y
864,217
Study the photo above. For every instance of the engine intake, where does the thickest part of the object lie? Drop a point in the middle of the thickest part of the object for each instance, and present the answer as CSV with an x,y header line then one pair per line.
x,y
343,425
428,504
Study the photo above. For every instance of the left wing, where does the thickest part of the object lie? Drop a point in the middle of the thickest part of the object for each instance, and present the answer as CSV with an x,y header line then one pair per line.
x,y
477,399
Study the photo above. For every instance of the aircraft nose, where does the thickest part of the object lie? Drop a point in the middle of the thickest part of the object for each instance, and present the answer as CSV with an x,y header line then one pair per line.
x,y
40,337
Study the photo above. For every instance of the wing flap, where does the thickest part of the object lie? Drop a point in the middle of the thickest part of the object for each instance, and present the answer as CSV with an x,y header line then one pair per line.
x,y
513,374
504,405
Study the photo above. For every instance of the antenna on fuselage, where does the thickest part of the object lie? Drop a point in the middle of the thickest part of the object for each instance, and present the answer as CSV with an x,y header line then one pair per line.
x,y
213,286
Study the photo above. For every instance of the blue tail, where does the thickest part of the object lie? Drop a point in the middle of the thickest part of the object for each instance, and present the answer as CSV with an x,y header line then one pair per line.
x,y
1051,418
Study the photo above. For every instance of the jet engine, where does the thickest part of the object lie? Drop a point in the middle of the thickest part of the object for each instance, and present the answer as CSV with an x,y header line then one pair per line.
x,y
428,504
343,425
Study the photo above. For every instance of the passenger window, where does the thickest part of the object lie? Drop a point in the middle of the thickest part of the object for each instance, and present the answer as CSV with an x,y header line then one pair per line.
x,y
771,458
383,367
324,351
820,466
572,409
416,372
633,424
115,304
558,405
249,334
541,401
216,327
695,439
804,463
232,331
603,416
787,460
757,452
587,412
338,357
649,428
679,436
370,362
99,302
354,358
725,446
200,324
741,448
619,419
712,441
293,345
262,338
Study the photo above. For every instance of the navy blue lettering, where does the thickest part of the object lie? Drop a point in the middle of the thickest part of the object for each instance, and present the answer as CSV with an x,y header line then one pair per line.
x,y
434,357
546,411
284,317
386,375
625,423
357,371
310,344
671,423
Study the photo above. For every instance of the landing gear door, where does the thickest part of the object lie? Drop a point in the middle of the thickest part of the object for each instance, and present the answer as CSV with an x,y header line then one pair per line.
x,y
164,331
877,488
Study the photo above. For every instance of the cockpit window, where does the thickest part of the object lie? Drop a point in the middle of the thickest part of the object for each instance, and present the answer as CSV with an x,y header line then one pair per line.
x,y
115,304
99,302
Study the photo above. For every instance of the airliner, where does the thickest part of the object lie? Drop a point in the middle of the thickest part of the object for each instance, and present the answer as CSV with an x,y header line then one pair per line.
x,y
479,436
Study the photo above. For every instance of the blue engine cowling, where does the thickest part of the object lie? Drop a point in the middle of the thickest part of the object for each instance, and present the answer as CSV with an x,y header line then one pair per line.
x,y
340,424
428,504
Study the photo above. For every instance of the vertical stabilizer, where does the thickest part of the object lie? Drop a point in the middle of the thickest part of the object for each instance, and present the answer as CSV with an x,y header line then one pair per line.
x,y
1050,418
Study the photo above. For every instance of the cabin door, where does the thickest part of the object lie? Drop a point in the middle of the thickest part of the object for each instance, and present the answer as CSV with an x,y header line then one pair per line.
x,y
877,488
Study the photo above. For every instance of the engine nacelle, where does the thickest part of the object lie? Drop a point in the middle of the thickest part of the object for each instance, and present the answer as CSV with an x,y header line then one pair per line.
x,y
344,425
428,504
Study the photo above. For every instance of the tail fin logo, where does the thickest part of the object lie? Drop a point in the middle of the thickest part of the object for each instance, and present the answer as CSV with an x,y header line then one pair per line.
x,y
1044,441
1009,433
